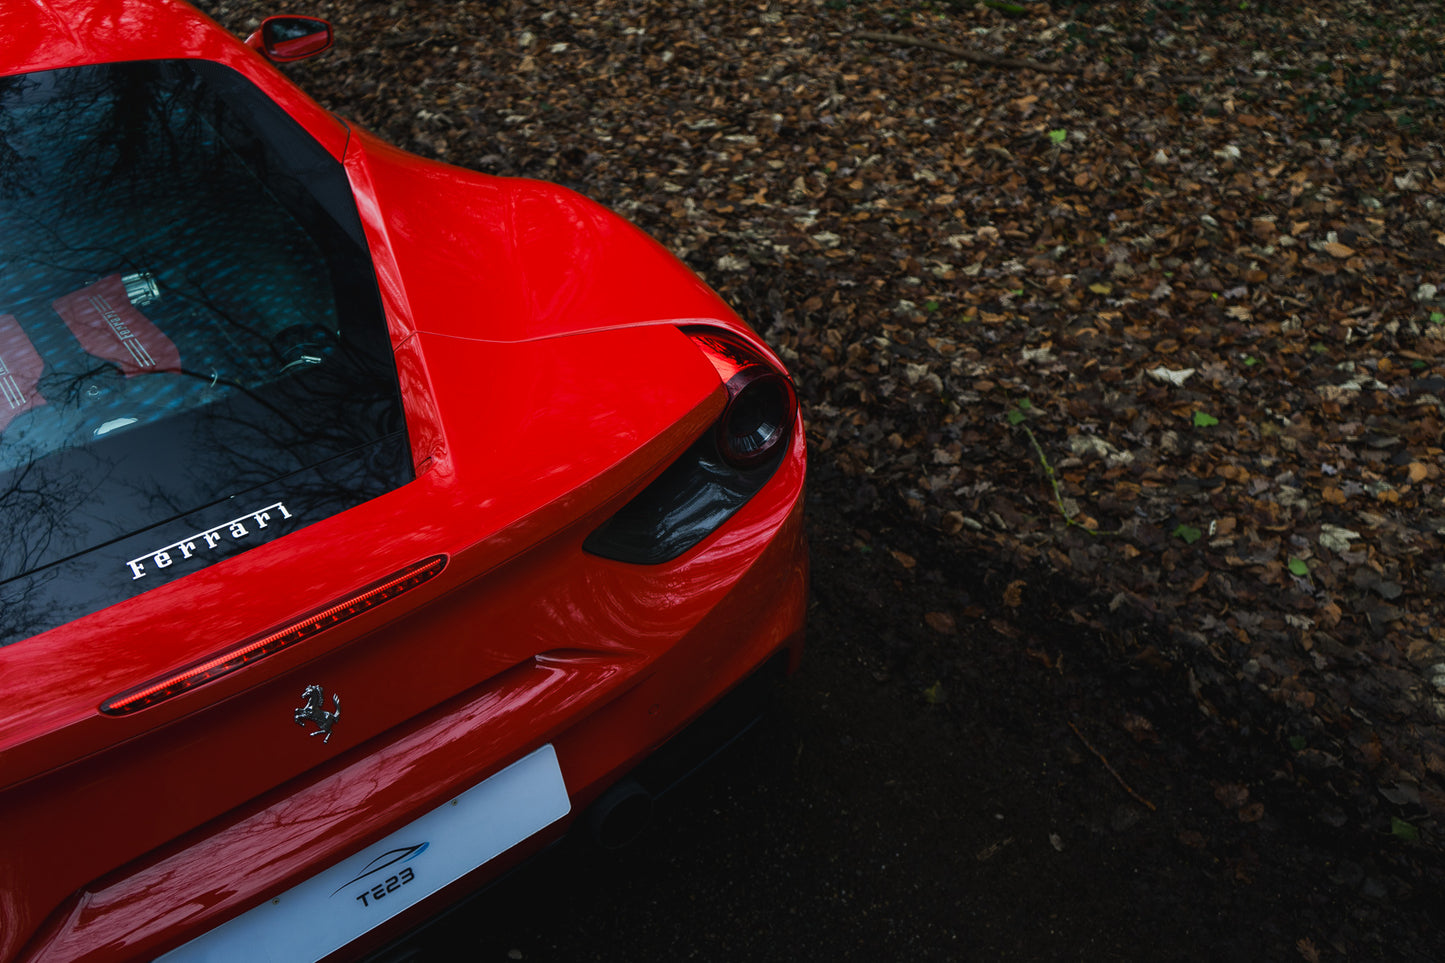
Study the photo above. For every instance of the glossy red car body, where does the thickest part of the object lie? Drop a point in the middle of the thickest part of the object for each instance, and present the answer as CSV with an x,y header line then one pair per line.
x,y
546,380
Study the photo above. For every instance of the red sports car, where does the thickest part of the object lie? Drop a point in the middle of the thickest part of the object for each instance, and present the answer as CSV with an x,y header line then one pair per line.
x,y
369,521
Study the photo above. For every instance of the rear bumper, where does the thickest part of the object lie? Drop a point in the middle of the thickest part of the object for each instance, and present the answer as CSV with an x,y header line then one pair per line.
x,y
604,717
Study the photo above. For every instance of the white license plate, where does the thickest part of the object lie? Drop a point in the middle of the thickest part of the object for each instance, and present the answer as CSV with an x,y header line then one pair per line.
x,y
333,908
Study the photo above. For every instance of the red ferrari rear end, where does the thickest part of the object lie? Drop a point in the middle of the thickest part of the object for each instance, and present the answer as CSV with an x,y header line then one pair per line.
x,y
368,518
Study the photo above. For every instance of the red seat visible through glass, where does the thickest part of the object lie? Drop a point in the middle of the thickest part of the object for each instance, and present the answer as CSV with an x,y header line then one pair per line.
x,y
20,370
110,328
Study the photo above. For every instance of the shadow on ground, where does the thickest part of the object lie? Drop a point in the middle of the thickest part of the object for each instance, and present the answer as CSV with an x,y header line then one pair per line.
x,y
983,793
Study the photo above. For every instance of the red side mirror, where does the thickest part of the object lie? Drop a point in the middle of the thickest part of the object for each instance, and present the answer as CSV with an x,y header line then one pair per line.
x,y
284,39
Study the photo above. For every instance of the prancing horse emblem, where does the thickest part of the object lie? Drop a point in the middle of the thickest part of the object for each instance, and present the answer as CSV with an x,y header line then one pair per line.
x,y
312,711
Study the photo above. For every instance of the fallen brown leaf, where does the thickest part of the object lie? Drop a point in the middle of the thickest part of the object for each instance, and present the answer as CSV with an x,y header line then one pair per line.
x,y
940,622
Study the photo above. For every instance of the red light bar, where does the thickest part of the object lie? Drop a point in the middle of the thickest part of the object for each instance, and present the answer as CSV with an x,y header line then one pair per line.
x,y
168,686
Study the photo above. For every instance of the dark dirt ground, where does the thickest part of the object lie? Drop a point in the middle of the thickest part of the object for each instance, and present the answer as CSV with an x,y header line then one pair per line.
x,y
1123,383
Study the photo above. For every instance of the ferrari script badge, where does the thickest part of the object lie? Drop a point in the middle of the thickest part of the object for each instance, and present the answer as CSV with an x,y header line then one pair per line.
x,y
233,531
313,711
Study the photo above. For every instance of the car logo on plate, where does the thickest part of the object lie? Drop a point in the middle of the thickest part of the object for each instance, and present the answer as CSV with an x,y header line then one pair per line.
x,y
314,711
393,880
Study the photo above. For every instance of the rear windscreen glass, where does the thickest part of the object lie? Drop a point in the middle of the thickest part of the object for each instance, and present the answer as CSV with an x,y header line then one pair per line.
x,y
189,324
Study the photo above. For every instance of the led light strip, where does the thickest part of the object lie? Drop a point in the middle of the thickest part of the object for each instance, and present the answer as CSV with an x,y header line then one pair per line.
x,y
169,686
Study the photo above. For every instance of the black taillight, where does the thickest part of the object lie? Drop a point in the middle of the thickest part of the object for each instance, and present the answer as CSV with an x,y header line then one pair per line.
x,y
761,403
700,491
757,418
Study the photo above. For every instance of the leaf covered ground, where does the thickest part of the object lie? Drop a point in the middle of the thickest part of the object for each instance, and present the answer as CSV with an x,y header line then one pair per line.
x,y
1156,332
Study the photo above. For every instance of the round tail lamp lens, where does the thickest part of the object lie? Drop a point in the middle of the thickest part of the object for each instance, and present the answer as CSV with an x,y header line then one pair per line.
x,y
757,419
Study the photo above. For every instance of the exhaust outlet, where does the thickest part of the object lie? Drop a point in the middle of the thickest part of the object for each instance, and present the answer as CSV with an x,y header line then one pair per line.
x,y
619,815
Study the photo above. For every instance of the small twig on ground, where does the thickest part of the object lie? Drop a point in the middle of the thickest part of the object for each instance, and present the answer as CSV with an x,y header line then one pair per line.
x,y
1227,79
962,53
1119,779
1054,484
